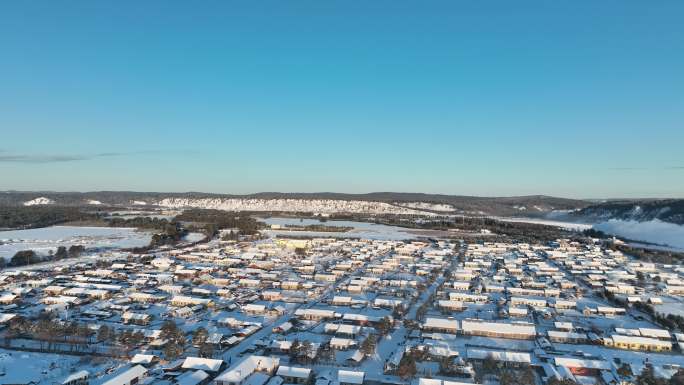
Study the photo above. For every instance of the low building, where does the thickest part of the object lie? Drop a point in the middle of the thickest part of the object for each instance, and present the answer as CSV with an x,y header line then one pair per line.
x,y
499,329
294,375
440,325
239,373
638,343
129,376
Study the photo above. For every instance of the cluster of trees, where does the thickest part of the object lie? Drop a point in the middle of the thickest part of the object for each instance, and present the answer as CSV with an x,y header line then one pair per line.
x,y
648,377
245,224
398,312
369,344
593,233
672,322
199,340
172,233
231,236
29,257
175,337
422,310
138,222
25,217
650,255
320,228
302,352
384,327
55,335
408,364
507,376
506,231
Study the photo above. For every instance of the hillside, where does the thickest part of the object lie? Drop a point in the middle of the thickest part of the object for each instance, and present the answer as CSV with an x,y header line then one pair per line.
x,y
372,203
666,210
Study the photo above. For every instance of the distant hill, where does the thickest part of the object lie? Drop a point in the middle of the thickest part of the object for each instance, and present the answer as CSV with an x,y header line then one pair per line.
x,y
666,210
378,202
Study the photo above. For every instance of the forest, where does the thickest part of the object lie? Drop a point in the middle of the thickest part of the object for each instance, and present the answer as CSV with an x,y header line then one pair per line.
x,y
28,217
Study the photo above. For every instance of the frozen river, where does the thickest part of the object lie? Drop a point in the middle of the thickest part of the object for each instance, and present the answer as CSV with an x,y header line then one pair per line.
x,y
49,238
669,236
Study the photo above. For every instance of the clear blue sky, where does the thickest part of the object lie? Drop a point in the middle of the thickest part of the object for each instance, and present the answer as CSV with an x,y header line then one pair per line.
x,y
569,98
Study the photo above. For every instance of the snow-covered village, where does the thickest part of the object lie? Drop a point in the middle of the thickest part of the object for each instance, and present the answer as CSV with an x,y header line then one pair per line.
x,y
341,192
376,308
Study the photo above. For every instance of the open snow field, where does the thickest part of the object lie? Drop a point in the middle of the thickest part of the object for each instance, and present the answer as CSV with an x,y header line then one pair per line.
x,y
655,231
548,222
360,229
49,238
666,234
45,368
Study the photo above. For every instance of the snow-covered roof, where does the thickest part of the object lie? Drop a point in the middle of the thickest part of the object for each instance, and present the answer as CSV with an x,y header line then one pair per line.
x,y
568,335
350,377
499,355
247,366
336,341
292,371
581,363
655,333
76,376
197,363
142,358
192,377
440,323
126,376
357,356
434,381
315,312
640,341
498,327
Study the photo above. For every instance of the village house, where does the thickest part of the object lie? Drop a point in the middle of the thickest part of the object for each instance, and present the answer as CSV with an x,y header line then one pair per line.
x,y
498,329
239,373
294,375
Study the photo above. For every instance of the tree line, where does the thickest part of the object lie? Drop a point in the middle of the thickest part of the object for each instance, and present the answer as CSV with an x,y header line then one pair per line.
x,y
219,219
29,217
30,257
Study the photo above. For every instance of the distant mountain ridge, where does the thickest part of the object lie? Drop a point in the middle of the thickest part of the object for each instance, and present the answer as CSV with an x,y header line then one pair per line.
x,y
390,202
666,210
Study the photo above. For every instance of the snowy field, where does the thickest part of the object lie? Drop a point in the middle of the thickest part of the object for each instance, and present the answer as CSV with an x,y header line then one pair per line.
x,y
49,238
655,231
548,222
43,368
360,229
193,237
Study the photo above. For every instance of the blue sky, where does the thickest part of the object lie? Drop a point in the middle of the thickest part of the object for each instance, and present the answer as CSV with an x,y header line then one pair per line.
x,y
568,98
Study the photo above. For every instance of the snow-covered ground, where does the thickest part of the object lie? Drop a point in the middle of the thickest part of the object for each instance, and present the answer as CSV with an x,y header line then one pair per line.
x,y
193,237
49,238
290,205
39,201
655,231
43,368
547,222
360,229
427,206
